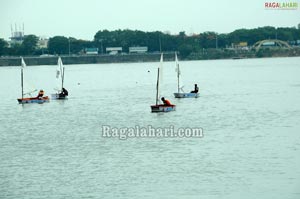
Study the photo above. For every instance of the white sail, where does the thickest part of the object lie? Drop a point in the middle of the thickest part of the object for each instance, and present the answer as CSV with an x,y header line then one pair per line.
x,y
59,75
23,64
28,89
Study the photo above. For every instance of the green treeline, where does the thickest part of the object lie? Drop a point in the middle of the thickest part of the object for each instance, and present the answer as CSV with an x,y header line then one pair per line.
x,y
156,41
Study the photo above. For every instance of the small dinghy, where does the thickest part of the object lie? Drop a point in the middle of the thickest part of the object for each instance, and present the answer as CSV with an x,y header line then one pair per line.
x,y
33,100
180,93
62,93
27,100
160,107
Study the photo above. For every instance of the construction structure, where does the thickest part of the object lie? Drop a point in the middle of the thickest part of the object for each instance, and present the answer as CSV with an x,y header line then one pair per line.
x,y
271,43
17,35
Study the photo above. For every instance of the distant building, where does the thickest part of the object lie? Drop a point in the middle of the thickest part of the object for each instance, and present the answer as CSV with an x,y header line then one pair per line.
x,y
42,42
268,43
141,49
241,45
113,50
91,51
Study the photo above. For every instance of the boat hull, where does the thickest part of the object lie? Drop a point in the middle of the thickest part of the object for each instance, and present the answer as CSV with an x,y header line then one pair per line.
x,y
162,108
58,97
186,95
33,100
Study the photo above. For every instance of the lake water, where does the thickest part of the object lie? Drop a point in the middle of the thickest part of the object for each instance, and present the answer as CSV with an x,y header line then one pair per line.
x,y
249,111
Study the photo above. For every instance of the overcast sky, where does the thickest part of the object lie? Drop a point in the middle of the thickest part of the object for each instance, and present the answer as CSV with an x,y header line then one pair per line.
x,y
83,18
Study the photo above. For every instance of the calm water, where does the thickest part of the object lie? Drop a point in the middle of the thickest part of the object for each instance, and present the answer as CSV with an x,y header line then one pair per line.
x,y
249,111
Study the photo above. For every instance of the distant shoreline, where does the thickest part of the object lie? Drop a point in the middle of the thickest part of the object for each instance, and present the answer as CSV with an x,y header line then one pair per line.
x,y
85,59
149,57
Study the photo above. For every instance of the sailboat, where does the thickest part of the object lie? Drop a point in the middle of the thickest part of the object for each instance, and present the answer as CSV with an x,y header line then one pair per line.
x,y
62,93
160,107
180,93
25,90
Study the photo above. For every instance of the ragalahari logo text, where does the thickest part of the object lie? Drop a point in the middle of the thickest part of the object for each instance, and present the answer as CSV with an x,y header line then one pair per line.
x,y
281,5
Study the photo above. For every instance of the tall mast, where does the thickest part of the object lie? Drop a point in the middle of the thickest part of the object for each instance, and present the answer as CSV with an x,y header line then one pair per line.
x,y
62,79
157,85
178,72
178,81
22,82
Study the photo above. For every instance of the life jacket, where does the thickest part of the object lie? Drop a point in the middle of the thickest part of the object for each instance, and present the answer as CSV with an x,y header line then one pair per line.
x,y
167,102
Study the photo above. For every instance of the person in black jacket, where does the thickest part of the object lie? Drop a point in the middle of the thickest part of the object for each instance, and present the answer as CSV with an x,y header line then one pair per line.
x,y
196,89
63,93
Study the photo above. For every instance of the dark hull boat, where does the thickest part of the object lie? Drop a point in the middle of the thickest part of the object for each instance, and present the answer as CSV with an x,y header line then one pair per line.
x,y
33,100
160,107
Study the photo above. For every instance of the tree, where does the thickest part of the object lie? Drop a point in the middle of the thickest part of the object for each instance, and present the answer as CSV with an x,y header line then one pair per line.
x,y
58,45
76,46
185,50
208,39
14,49
187,45
3,47
128,38
29,45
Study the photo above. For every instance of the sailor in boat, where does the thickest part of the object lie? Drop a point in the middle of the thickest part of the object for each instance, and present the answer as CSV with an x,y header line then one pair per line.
x,y
196,89
40,94
166,102
63,93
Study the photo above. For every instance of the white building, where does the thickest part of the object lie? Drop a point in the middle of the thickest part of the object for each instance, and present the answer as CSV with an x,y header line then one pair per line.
x,y
113,50
138,49
42,42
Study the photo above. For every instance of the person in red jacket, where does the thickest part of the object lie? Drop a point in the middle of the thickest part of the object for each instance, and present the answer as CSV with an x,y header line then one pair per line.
x,y
166,102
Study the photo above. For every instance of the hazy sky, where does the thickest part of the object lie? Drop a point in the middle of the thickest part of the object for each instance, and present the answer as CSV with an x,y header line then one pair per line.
x,y
83,18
